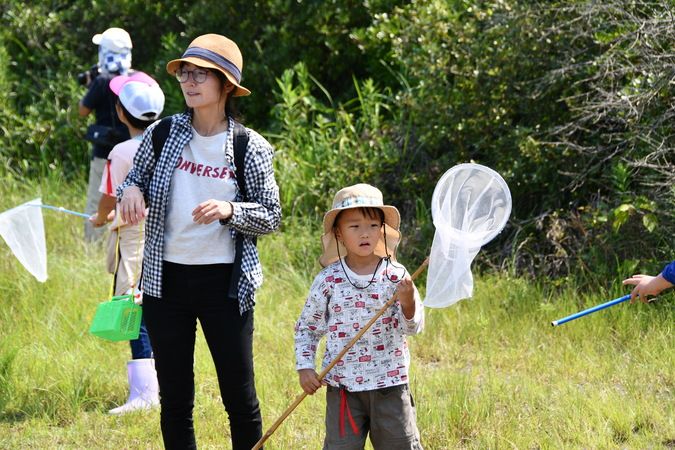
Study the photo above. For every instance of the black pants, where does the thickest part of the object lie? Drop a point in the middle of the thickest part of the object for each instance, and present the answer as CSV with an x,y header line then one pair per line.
x,y
191,293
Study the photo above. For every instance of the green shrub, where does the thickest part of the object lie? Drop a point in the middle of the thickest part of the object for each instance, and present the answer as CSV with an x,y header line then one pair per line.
x,y
569,101
323,147
551,95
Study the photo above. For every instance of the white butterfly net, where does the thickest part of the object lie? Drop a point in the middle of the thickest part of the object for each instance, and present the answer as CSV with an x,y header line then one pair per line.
x,y
23,229
470,206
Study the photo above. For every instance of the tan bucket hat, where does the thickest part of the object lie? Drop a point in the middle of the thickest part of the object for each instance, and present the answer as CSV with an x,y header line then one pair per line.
x,y
359,196
213,51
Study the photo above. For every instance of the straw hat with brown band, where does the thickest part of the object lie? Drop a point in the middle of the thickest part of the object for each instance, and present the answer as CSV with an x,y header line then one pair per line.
x,y
213,51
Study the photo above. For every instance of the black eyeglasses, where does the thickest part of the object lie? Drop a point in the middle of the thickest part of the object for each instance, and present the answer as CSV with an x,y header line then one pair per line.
x,y
198,75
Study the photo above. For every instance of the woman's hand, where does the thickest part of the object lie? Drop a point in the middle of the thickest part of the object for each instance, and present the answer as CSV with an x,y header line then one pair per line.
x,y
309,380
132,206
212,210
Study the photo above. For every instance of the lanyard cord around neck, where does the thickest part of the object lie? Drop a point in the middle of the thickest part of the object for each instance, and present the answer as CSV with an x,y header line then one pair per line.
x,y
387,260
372,280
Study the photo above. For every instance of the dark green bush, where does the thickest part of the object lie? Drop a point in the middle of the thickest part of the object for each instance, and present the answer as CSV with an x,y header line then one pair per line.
x,y
44,47
552,95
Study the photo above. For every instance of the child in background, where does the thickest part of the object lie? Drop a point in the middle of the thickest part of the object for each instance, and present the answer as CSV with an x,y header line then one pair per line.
x,y
646,285
369,386
114,58
140,102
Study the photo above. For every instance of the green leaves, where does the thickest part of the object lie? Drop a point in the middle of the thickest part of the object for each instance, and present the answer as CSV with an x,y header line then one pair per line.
x,y
322,147
641,206
650,222
621,215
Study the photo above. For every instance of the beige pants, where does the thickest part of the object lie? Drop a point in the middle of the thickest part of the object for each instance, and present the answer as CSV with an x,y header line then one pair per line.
x,y
93,197
129,257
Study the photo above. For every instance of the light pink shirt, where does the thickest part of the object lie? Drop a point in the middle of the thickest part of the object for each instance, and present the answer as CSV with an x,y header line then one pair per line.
x,y
120,160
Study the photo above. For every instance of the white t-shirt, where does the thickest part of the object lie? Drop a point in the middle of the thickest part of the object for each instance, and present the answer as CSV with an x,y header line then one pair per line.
x,y
119,163
201,173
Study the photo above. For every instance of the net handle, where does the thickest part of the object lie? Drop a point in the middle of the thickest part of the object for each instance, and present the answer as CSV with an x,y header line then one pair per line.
x,y
332,364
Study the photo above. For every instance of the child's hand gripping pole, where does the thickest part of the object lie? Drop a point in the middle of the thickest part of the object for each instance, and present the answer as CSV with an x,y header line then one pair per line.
x,y
342,353
616,301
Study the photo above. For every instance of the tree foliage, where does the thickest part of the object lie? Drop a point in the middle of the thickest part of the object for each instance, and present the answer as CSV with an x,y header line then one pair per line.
x,y
570,101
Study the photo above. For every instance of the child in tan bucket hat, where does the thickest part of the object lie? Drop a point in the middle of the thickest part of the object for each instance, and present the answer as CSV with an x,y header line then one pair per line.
x,y
357,196
360,236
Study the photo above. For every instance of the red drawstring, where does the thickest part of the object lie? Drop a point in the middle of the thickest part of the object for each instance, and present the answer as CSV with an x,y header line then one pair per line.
x,y
344,405
109,181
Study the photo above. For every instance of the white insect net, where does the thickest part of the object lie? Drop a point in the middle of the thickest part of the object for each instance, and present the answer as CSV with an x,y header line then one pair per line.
x,y
23,229
470,206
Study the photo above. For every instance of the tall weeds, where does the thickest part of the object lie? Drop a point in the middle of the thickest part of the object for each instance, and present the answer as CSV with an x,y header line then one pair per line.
x,y
323,146
489,372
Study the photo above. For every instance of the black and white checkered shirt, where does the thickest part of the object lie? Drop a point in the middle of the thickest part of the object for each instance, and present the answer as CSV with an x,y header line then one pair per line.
x,y
260,215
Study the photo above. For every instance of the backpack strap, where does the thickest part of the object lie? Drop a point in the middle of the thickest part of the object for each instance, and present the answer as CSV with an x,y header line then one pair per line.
x,y
159,136
240,143
240,137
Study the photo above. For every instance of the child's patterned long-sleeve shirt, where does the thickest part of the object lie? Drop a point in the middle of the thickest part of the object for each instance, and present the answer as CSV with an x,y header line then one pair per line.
x,y
337,309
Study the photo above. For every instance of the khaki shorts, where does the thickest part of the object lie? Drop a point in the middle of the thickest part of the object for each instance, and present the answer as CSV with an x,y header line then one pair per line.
x,y
129,258
388,414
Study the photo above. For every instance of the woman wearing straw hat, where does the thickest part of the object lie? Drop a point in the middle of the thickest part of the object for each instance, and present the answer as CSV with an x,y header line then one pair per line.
x,y
200,261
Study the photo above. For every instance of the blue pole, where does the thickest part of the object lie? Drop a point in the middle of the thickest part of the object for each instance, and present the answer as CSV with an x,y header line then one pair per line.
x,y
616,301
67,211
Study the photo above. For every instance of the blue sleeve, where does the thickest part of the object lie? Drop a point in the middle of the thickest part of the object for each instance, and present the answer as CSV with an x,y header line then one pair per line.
x,y
669,272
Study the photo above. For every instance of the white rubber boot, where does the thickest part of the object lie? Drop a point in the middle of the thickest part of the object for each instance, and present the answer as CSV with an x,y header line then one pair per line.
x,y
143,387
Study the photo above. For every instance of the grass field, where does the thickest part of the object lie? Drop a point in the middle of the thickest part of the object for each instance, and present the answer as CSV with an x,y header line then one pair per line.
x,y
488,373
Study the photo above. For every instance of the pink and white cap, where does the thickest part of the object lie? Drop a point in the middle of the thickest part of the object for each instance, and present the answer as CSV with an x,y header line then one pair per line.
x,y
140,94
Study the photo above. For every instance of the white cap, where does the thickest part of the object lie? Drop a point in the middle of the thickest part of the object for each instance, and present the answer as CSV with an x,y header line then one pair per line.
x,y
143,101
140,94
114,39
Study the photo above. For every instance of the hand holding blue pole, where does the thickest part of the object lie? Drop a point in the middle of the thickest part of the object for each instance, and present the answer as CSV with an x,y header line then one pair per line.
x,y
616,301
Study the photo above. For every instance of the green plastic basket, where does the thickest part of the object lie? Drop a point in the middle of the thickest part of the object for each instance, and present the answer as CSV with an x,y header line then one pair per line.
x,y
118,319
